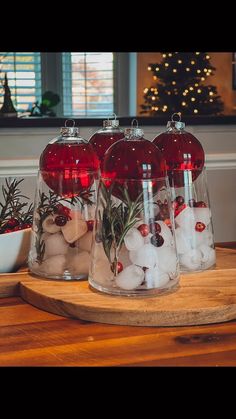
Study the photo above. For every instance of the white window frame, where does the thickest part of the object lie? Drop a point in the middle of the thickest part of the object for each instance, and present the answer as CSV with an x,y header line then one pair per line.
x,y
125,81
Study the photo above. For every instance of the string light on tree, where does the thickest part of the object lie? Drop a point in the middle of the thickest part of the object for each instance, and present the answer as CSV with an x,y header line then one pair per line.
x,y
178,84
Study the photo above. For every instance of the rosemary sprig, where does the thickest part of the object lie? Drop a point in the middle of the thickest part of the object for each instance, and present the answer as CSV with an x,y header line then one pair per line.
x,y
84,198
116,221
12,205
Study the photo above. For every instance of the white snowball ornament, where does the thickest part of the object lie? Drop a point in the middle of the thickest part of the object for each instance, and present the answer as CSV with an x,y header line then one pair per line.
x,y
202,215
55,245
133,239
208,254
186,219
182,241
154,278
191,259
49,225
145,256
130,278
54,265
166,259
79,264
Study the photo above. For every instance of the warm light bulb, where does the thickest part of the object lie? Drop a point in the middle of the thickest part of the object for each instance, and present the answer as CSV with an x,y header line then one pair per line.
x,y
145,90
166,64
202,78
153,98
152,89
170,55
186,90
164,109
191,88
157,69
169,93
153,107
184,93
196,84
173,82
209,70
174,70
205,70
179,61
207,57
199,90
198,71
211,93
183,103
149,68
154,77
210,100
193,99
164,55
195,111
187,69
156,108
192,62
197,53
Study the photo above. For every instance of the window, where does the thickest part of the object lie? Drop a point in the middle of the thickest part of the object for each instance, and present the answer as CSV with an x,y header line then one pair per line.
x,y
24,77
88,83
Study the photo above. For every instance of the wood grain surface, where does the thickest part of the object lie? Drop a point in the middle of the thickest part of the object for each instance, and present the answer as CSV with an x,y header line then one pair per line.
x,y
202,298
31,337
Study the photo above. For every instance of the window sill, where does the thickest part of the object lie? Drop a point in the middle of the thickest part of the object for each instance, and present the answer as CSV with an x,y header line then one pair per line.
x,y
124,121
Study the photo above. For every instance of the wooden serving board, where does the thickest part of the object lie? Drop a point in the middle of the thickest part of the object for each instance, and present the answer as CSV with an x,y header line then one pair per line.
x,y
202,298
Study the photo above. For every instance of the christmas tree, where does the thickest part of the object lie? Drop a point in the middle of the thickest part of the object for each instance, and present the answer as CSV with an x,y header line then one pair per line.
x,y
179,86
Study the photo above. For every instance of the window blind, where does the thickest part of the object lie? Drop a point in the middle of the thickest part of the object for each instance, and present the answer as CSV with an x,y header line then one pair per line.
x,y
88,83
24,78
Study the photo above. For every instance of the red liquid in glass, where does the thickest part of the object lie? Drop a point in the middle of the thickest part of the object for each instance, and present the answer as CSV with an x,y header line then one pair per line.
x,y
182,152
68,168
102,141
130,160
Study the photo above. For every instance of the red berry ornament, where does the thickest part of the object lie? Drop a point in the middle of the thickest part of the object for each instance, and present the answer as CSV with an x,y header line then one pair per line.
x,y
69,164
200,204
130,162
182,152
144,229
60,220
200,226
155,228
90,224
157,240
119,267
179,200
12,222
179,209
105,137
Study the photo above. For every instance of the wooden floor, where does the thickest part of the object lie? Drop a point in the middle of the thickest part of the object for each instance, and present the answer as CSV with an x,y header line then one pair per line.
x,y
31,337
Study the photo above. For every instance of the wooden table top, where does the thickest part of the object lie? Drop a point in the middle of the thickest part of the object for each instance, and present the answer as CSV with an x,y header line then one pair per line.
x,y
31,337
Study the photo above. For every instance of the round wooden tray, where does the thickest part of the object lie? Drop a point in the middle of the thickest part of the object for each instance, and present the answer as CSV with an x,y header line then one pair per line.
x,y
207,297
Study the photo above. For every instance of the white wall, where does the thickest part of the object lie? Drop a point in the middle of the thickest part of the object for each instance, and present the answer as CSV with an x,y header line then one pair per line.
x,y
20,149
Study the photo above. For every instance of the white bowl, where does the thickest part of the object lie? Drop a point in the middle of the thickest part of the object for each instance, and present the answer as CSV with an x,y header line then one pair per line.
x,y
14,249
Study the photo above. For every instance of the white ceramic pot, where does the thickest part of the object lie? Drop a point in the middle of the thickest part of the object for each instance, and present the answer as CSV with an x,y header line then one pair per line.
x,y
14,249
